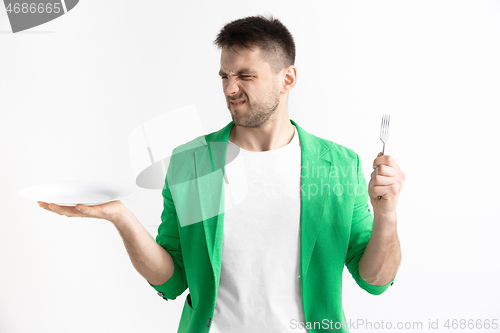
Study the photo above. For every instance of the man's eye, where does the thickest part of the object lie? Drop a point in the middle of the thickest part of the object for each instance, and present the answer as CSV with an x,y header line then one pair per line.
x,y
243,77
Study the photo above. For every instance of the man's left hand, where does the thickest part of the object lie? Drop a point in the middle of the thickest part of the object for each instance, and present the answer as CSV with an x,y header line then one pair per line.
x,y
386,181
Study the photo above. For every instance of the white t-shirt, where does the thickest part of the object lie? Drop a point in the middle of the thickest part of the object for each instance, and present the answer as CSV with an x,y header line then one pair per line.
x,y
259,288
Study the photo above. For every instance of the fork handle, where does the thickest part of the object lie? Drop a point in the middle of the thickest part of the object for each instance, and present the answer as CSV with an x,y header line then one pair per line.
x,y
383,149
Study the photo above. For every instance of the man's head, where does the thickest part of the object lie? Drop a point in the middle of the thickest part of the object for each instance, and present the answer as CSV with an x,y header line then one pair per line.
x,y
268,34
257,68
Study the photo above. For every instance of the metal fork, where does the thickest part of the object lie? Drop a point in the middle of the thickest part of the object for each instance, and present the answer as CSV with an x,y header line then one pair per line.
x,y
384,130
384,133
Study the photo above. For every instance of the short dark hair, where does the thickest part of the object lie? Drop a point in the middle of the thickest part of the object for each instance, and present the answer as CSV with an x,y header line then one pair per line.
x,y
269,34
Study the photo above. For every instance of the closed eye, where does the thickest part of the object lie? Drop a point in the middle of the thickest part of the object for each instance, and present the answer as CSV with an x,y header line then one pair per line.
x,y
243,77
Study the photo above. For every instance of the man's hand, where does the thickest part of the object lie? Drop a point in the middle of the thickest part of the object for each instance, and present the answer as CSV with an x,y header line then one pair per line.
x,y
386,181
151,260
110,211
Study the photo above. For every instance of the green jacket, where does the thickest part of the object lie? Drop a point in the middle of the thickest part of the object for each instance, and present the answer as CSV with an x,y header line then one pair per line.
x,y
335,227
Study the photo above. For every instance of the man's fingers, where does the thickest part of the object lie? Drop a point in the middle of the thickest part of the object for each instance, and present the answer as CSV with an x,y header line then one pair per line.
x,y
89,211
81,208
61,210
383,180
385,160
386,192
385,170
44,205
381,191
105,211
48,209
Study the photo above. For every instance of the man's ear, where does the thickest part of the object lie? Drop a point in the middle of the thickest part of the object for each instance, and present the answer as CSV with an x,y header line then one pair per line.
x,y
289,78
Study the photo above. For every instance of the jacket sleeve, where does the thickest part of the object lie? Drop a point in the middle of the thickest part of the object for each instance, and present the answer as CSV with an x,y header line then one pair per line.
x,y
361,229
168,238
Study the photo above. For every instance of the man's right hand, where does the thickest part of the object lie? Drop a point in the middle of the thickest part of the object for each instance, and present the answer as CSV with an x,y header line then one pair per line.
x,y
110,211
151,260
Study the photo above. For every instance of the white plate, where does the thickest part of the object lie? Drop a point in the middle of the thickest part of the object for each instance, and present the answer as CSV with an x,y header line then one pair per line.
x,y
71,194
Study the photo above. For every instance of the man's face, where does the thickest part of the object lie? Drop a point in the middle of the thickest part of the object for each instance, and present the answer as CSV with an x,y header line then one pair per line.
x,y
247,77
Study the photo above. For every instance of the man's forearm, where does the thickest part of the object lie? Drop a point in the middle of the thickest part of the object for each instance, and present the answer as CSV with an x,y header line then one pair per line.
x,y
151,260
382,255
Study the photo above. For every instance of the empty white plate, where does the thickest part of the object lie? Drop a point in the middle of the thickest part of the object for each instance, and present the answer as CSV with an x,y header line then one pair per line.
x,y
71,194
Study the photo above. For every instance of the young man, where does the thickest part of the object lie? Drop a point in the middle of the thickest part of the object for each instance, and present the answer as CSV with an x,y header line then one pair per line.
x,y
271,260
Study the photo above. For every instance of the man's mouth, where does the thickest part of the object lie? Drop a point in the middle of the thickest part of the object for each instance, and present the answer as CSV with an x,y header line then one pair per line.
x,y
237,103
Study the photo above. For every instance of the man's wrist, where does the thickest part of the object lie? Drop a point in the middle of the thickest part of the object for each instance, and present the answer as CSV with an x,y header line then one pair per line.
x,y
121,217
389,216
385,223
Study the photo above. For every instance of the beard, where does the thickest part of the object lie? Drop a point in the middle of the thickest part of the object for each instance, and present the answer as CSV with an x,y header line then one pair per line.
x,y
256,114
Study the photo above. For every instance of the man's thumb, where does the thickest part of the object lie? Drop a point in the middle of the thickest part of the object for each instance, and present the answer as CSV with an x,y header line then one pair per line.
x,y
81,208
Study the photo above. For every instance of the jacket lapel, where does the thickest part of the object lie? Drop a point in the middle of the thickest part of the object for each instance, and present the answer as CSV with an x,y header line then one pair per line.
x,y
210,167
315,174
210,164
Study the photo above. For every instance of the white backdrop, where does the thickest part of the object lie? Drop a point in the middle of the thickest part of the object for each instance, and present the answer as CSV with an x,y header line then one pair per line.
x,y
73,89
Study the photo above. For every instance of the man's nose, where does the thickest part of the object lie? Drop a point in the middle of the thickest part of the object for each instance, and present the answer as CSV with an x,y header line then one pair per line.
x,y
231,87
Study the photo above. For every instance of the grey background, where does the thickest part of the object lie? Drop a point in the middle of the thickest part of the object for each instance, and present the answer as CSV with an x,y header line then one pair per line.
x,y
72,89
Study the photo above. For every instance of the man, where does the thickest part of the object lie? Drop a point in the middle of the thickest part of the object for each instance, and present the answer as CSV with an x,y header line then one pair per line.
x,y
273,260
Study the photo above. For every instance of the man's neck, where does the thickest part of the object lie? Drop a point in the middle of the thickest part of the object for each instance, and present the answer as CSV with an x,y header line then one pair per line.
x,y
275,134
